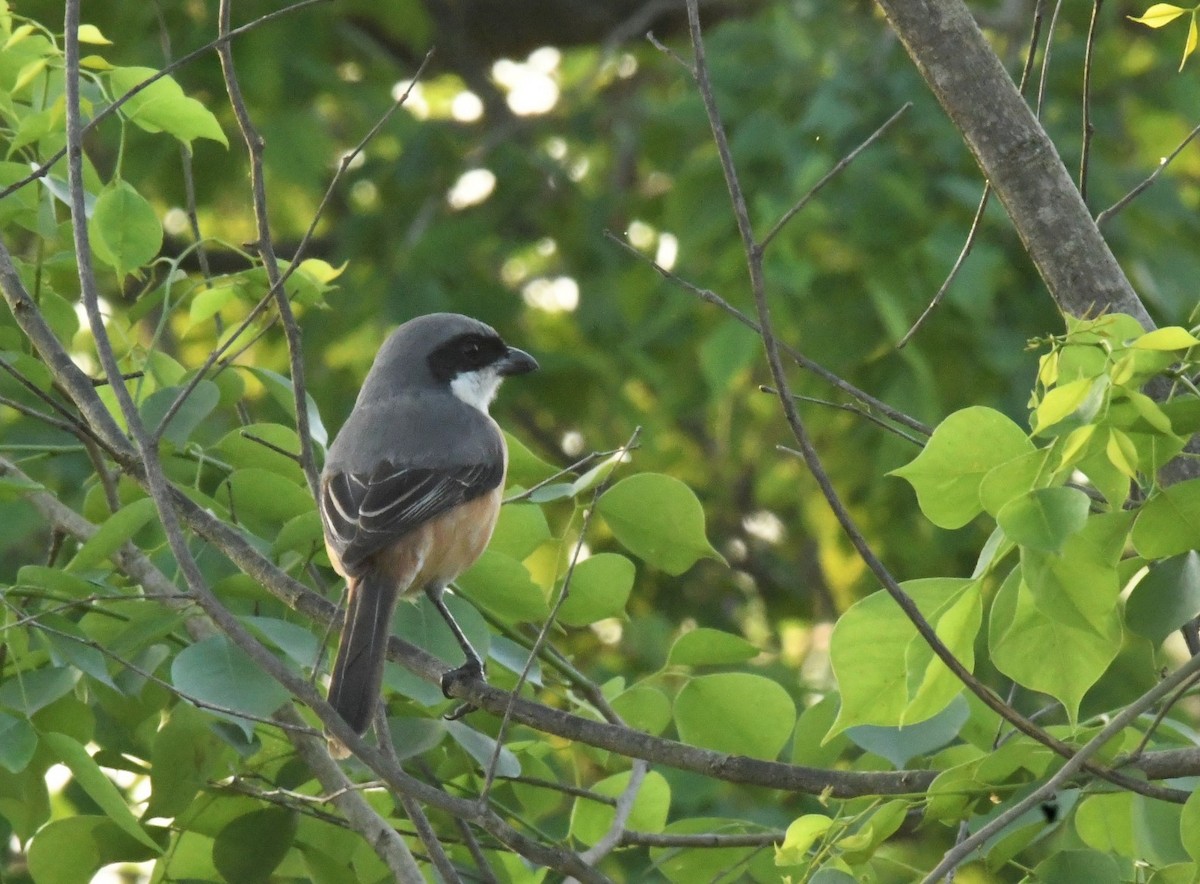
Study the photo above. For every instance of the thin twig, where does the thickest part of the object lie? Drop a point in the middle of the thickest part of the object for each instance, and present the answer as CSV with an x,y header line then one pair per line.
x,y
1158,170
1089,130
831,174
968,245
1041,93
1161,715
255,147
852,409
711,297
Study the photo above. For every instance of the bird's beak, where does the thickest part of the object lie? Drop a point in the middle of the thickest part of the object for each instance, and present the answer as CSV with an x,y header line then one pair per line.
x,y
516,362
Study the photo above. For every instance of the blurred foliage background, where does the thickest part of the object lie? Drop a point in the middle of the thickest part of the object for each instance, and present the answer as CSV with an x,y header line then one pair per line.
x,y
535,131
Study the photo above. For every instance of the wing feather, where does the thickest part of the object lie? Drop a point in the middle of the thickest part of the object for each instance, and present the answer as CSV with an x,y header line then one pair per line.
x,y
363,513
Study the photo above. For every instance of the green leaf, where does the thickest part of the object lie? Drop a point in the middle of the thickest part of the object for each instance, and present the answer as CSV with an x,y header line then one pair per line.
x,y
524,467
216,671
300,645
1012,479
873,831
124,228
520,530
162,106
208,303
947,474
199,405
802,833
118,528
735,712
73,647
27,692
248,849
100,788
1105,823
18,740
1169,338
885,670
810,747
263,500
185,753
1071,405
658,519
600,586
1158,15
900,744
686,866
72,850
12,488
262,446
1189,826
280,389
1044,518
1022,638
1167,597
591,820
1073,866
704,646
482,748
1080,586
418,622
504,586
302,534
1169,522
644,708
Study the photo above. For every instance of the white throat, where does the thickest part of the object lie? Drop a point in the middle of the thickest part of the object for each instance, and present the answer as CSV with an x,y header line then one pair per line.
x,y
477,388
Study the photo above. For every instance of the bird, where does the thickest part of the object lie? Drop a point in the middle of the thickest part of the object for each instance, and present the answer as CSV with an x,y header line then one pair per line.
x,y
411,488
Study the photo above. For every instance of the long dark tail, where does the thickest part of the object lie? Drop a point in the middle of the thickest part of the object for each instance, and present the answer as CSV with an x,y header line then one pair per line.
x,y
358,669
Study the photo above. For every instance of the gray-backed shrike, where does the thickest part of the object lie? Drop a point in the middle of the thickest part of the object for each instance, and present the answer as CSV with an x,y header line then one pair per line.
x,y
411,487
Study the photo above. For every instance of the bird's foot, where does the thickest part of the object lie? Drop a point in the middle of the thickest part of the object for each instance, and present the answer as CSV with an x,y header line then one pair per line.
x,y
470,671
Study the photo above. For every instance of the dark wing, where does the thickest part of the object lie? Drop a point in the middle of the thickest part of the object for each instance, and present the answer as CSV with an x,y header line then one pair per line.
x,y
363,513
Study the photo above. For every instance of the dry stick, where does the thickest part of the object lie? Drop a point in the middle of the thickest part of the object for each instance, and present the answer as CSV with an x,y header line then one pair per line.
x,y
412,807
255,146
77,428
830,175
852,409
711,297
483,869
1044,792
1088,129
1041,95
48,420
977,221
362,817
968,245
812,460
1129,197
704,839
42,170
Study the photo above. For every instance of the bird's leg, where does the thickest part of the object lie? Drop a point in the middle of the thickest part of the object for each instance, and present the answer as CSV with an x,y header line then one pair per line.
x,y
472,669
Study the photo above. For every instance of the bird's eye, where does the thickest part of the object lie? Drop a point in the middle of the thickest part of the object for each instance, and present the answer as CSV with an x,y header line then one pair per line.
x,y
472,350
